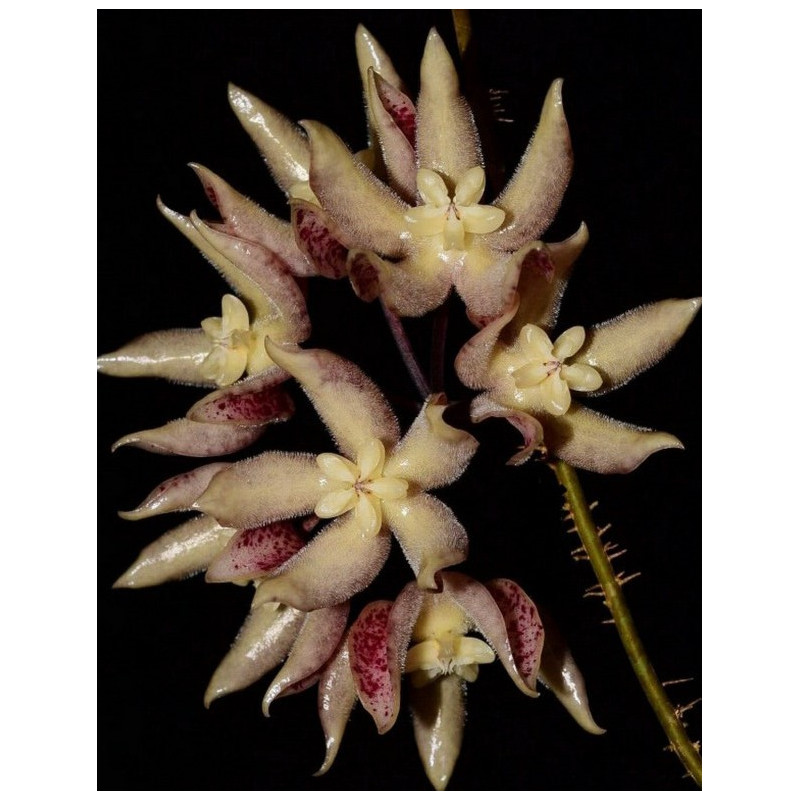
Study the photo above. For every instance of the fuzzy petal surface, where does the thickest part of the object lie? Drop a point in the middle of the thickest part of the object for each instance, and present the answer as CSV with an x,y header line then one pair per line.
x,y
377,688
598,443
429,534
367,213
177,493
335,565
533,195
280,141
264,489
261,644
174,354
432,453
317,641
181,552
315,234
447,140
255,552
185,437
335,700
621,348
348,402
531,430
437,712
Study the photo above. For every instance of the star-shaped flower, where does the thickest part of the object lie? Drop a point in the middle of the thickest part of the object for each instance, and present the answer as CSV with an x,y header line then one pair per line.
x,y
530,380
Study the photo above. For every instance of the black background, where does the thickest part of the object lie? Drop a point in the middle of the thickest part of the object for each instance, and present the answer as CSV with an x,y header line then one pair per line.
x,y
632,96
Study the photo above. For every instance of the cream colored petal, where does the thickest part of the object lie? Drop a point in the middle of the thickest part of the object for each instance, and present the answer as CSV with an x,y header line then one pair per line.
x,y
212,328
316,642
176,355
181,552
335,701
244,219
561,675
368,514
598,443
581,377
470,187
437,711
469,650
175,494
569,342
368,214
532,374
234,315
453,233
429,534
337,502
371,458
432,189
338,563
263,489
349,403
481,219
337,468
447,140
424,655
426,220
280,141
536,344
225,365
555,394
389,488
262,643
629,344
273,295
185,437
432,453
371,55
533,195
485,281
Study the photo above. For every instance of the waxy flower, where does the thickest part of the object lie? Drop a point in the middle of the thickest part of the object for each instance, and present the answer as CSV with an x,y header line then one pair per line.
x,y
377,484
426,635
411,241
224,348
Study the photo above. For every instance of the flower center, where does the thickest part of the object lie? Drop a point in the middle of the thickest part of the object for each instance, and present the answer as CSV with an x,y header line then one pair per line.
x,y
545,368
235,348
452,217
449,654
361,486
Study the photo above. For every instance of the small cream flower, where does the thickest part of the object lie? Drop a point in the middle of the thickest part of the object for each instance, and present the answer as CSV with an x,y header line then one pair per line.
x,y
453,217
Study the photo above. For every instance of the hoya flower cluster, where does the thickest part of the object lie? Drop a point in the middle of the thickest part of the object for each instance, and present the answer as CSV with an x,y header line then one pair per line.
x,y
407,222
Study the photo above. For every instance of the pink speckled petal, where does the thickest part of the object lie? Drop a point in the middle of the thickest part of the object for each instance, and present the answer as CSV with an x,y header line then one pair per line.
x,y
255,552
432,453
257,399
367,642
447,140
483,408
335,700
338,563
280,141
274,298
391,109
174,354
261,644
621,348
561,675
315,234
348,402
533,195
264,489
523,625
175,494
429,533
317,641
437,712
598,443
184,437
181,552
367,213
479,605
